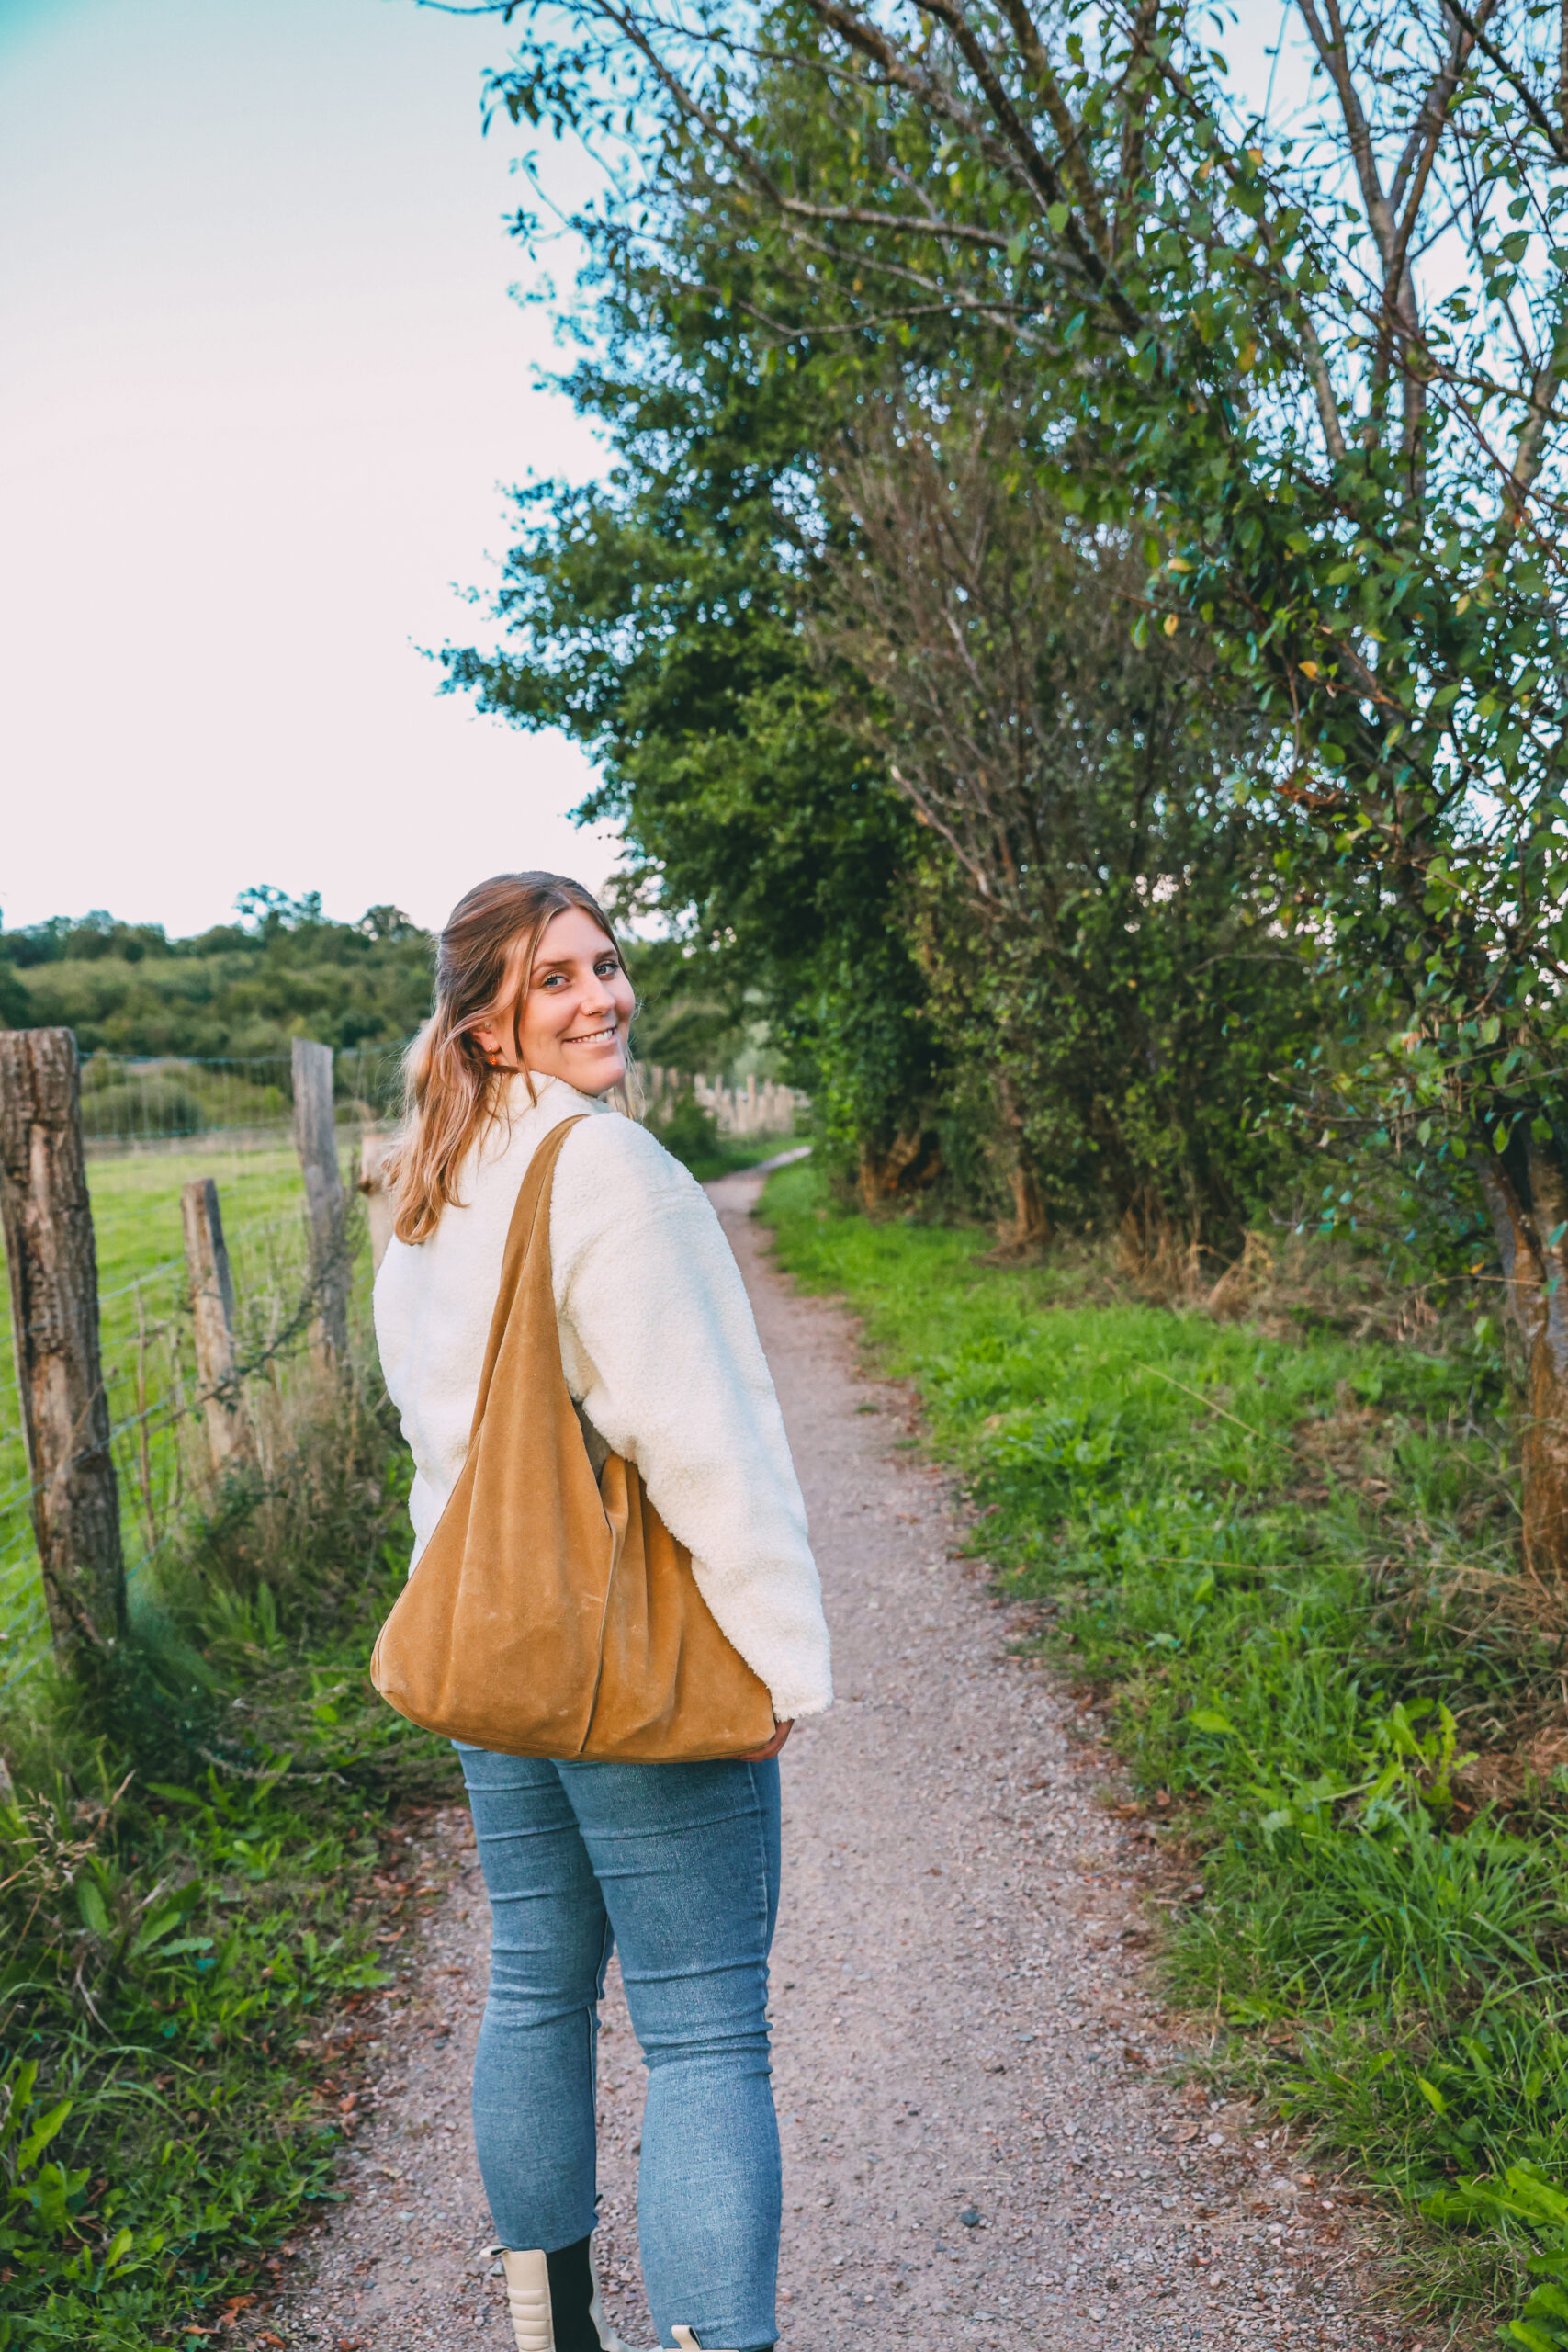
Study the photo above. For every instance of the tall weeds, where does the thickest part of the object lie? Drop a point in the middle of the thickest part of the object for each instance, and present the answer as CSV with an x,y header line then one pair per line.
x,y
186,1845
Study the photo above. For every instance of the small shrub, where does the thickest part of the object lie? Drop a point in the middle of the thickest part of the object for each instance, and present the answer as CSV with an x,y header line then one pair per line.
x,y
692,1135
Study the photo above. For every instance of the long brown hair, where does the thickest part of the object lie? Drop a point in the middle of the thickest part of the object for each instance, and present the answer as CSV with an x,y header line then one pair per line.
x,y
484,958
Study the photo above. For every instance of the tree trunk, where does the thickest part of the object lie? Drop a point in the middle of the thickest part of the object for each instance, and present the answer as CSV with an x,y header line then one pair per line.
x,y
52,1261
1031,1228
901,1168
1529,1207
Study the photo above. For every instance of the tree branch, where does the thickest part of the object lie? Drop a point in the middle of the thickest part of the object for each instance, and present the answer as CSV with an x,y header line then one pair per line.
x,y
1557,140
1068,133
1037,174
1330,45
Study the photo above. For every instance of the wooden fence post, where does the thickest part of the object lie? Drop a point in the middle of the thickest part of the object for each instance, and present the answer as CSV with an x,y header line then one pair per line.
x,y
315,1137
213,1316
379,1207
53,1265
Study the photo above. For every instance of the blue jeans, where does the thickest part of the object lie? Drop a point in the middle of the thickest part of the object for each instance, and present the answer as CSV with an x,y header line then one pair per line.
x,y
677,1867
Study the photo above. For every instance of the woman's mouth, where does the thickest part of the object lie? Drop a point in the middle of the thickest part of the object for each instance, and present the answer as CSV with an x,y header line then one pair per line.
x,y
591,1038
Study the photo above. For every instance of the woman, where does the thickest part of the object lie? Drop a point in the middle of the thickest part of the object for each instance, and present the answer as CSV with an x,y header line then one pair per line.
x,y
677,1865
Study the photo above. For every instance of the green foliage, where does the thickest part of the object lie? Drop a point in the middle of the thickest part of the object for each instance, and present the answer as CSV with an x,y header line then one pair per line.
x,y
185,1900
238,990
659,617
1194,1507
1218,340
156,1104
860,673
692,1135
1526,2198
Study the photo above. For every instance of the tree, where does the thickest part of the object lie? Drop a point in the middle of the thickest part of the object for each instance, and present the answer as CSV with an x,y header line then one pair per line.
x,y
736,525
1323,364
230,993
659,618
1106,933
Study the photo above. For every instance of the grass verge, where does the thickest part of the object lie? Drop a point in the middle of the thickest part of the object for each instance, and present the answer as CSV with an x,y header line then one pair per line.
x,y
197,1866
1282,1557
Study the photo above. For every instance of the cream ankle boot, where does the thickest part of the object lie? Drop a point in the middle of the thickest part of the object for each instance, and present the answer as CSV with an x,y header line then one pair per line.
x,y
529,2300
686,2340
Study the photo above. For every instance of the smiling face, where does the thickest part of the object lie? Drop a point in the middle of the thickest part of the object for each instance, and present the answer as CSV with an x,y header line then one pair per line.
x,y
576,1013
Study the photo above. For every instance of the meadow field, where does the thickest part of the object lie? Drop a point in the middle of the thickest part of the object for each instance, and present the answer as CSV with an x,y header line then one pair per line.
x,y
145,1338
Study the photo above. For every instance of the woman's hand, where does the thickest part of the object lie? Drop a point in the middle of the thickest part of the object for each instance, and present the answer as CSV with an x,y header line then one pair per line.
x,y
761,1755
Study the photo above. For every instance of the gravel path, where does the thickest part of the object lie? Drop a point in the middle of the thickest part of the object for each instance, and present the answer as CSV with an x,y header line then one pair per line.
x,y
982,2145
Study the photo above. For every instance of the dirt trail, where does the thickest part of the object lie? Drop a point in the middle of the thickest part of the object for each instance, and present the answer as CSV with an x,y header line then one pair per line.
x,y
978,2148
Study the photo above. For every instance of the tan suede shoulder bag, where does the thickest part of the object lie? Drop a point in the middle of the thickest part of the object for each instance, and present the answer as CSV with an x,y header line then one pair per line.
x,y
553,1614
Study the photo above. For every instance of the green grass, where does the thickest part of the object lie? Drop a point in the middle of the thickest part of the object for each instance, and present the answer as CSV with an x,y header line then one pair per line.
x,y
145,1339
1242,1537
136,1212
197,1857
200,1849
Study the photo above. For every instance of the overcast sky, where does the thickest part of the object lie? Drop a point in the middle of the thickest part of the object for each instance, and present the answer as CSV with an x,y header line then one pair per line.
x,y
263,389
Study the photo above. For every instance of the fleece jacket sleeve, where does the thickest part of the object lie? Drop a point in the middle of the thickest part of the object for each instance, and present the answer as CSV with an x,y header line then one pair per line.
x,y
661,1352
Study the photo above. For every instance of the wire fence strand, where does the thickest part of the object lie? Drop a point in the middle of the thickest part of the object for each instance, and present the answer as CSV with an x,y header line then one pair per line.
x,y
157,1399
150,1103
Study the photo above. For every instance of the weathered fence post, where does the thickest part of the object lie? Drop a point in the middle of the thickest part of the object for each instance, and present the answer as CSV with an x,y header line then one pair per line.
x,y
53,1265
213,1316
315,1137
379,1206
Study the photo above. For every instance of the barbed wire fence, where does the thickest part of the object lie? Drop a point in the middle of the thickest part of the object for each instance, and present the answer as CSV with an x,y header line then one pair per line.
x,y
216,1332
282,1273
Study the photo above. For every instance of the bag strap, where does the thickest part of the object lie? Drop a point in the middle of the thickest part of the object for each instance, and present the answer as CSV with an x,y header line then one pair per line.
x,y
520,1258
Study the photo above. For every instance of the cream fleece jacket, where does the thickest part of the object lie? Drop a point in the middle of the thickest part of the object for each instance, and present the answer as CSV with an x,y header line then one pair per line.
x,y
661,1354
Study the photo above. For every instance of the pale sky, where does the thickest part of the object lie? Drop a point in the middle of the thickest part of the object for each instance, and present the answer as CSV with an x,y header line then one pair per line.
x,y
262,392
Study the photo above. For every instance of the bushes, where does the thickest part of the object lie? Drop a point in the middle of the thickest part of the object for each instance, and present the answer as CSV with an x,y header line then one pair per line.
x,y
154,1106
231,992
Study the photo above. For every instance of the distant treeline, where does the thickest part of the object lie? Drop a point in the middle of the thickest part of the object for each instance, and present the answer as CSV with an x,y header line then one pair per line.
x,y
283,969
240,988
